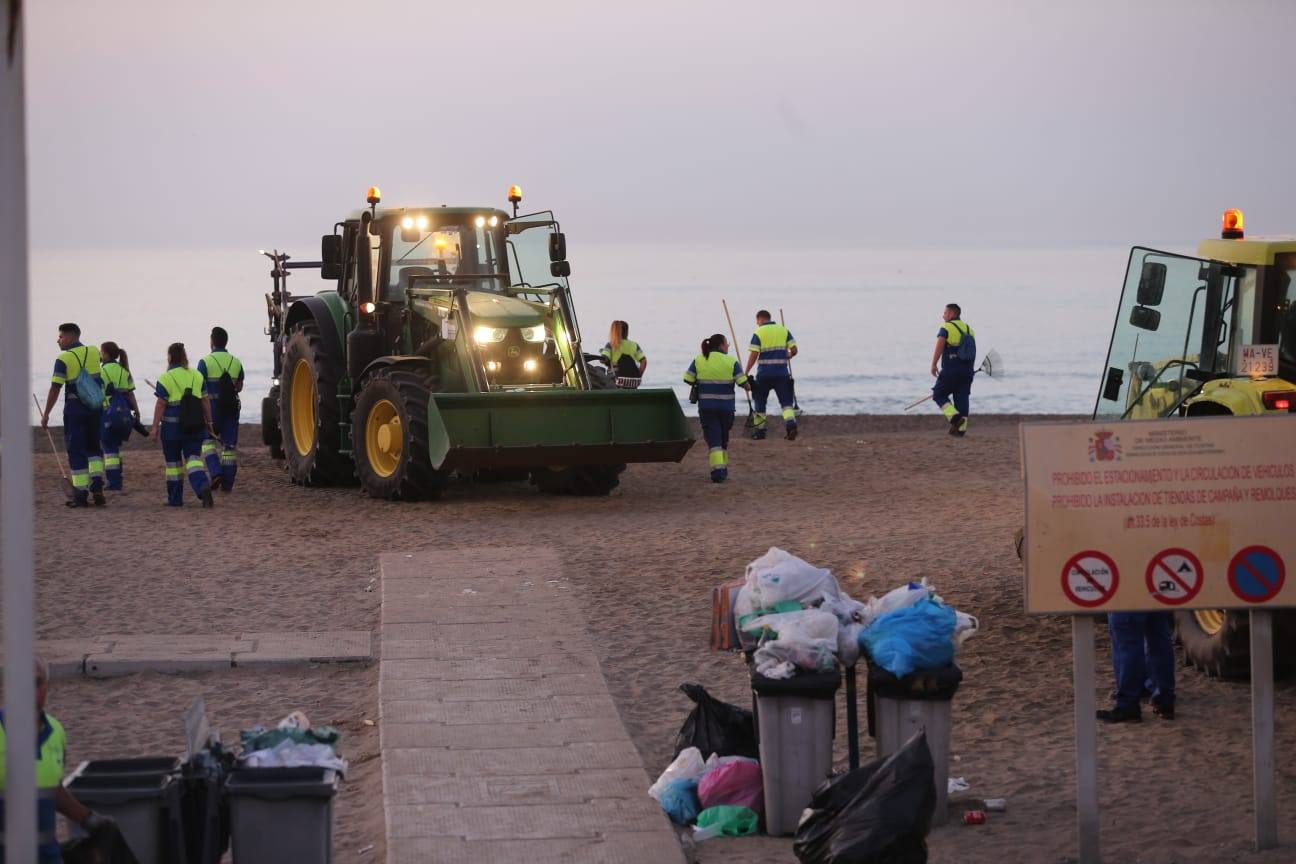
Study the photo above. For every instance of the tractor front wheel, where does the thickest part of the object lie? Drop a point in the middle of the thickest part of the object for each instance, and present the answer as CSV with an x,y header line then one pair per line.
x,y
271,433
1216,641
391,437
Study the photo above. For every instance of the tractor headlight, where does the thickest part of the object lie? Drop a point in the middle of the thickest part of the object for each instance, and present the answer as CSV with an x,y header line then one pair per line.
x,y
492,365
534,334
529,365
486,335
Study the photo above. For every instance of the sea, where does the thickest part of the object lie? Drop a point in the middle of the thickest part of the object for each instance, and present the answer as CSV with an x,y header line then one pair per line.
x,y
865,319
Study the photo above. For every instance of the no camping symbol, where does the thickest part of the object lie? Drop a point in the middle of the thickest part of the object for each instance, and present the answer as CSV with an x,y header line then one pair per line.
x,y
1089,579
1174,576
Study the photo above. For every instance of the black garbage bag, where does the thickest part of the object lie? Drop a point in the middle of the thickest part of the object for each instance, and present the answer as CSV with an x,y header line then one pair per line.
x,y
877,814
716,727
106,845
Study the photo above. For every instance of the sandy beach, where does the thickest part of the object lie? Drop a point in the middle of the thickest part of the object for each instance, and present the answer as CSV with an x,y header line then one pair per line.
x,y
879,500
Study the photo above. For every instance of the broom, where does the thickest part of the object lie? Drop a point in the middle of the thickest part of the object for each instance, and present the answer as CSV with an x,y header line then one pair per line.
x,y
69,491
991,365
796,409
751,411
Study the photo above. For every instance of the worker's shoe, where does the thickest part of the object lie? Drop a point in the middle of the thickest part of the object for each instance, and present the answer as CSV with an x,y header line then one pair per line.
x,y
791,433
206,497
1163,710
78,502
956,422
719,475
216,482
1117,714
962,429
758,435
99,499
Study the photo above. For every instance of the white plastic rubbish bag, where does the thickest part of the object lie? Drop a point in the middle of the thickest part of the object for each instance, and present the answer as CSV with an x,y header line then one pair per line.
x,y
688,765
777,576
965,625
807,639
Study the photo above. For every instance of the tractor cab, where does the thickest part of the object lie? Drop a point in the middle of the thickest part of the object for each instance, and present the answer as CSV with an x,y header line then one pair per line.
x,y
1212,334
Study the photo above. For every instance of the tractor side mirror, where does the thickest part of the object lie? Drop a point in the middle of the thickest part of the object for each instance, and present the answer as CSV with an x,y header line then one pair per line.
x,y
557,247
331,256
1144,318
1151,284
560,269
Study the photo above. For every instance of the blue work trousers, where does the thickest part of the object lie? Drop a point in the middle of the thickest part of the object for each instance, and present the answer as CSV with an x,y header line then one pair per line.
x,y
716,423
954,381
84,452
221,454
184,456
782,387
1142,657
111,441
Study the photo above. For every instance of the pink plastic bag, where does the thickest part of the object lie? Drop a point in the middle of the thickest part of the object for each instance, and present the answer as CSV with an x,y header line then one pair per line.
x,y
736,783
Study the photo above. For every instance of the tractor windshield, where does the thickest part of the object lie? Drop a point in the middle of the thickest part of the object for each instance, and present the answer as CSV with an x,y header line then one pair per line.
x,y
528,245
459,250
1173,330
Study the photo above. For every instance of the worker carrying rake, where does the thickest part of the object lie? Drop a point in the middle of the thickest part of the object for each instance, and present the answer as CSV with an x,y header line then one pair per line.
x,y
956,354
772,346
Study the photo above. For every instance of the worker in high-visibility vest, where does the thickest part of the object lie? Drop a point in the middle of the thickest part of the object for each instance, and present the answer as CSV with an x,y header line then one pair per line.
x,y
80,420
121,410
223,379
183,412
715,373
51,795
624,357
772,346
953,388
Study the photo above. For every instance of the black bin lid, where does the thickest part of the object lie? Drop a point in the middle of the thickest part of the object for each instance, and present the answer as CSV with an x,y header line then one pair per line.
x,y
803,685
118,788
281,783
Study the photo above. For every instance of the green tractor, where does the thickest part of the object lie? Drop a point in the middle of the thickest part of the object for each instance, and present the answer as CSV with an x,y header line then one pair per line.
x,y
449,345
1188,337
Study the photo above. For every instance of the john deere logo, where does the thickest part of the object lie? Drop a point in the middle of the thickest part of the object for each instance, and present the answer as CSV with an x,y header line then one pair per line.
x,y
1104,446
513,351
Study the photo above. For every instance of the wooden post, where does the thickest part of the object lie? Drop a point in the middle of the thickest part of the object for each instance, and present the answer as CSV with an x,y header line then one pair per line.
x,y
1262,728
1086,723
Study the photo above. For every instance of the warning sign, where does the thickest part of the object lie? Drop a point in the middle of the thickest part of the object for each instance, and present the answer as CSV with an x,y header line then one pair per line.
x,y
1174,576
1203,509
1090,579
1256,574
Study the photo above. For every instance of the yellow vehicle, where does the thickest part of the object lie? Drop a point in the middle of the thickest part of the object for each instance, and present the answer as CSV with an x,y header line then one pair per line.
x,y
1209,335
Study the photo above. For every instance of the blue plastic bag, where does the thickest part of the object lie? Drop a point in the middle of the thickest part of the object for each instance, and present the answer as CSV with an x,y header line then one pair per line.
x,y
920,636
680,800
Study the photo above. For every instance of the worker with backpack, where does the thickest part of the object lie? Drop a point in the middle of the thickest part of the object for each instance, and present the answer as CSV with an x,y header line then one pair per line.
x,y
184,415
77,366
120,410
223,381
956,354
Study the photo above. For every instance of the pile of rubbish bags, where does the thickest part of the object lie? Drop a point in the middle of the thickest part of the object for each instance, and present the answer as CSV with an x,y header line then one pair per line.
x,y
293,743
723,792
796,617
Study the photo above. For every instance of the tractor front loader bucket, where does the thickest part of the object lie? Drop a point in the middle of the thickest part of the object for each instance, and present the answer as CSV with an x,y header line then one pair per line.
x,y
559,428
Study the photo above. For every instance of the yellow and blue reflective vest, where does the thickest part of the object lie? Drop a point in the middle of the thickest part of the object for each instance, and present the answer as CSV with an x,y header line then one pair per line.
x,y
116,379
171,386
715,377
51,748
214,365
68,365
953,331
771,343
628,349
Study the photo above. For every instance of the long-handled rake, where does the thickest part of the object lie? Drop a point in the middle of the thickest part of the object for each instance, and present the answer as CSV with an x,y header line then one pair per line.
x,y
69,491
991,365
796,408
751,411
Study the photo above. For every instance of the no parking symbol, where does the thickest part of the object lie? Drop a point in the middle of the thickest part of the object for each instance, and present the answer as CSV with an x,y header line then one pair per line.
x,y
1089,578
1174,576
1256,574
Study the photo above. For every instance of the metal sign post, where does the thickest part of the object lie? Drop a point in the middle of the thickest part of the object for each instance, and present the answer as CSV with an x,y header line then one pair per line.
x,y
1157,516
16,476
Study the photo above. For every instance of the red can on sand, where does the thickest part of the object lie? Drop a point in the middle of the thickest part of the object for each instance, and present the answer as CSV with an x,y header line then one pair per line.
x,y
974,817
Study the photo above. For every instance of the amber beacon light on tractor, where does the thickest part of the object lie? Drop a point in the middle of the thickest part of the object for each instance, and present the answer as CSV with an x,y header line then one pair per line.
x,y
446,345
1210,335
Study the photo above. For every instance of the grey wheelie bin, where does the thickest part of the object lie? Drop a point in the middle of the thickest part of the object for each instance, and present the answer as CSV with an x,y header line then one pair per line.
x,y
899,707
795,721
281,814
146,807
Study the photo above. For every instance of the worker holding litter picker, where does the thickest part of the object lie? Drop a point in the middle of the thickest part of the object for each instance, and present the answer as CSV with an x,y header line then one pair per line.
x,y
715,373
956,354
772,346
77,366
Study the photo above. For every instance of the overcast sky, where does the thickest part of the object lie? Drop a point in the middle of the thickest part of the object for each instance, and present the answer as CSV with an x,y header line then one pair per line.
x,y
181,124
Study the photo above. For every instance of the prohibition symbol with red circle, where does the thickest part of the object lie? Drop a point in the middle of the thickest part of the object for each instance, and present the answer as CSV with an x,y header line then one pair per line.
x,y
1174,576
1089,578
1256,574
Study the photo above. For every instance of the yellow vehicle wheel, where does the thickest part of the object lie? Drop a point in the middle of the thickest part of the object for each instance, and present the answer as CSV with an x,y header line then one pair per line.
x,y
1211,621
308,411
391,432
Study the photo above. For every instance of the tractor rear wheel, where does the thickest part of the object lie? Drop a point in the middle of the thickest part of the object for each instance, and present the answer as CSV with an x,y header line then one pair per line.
x,y
1216,641
271,434
308,411
391,437
587,480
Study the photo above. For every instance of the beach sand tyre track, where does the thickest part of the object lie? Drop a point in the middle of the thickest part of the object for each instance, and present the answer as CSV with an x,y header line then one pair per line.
x,y
589,480
309,414
391,437
271,434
